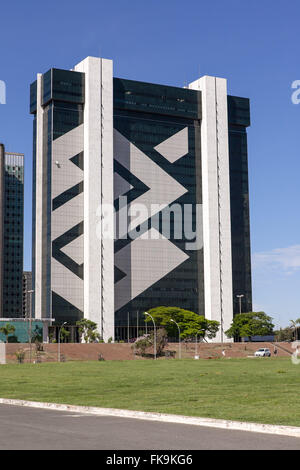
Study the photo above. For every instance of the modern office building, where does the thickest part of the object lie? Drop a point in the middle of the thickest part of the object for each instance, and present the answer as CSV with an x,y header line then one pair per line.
x,y
11,232
27,293
140,197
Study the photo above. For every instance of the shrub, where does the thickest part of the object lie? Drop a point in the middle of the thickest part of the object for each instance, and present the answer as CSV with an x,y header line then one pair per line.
x,y
141,344
147,341
88,330
20,355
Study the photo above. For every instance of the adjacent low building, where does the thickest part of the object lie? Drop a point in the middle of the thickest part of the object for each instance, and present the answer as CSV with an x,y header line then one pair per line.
x,y
140,197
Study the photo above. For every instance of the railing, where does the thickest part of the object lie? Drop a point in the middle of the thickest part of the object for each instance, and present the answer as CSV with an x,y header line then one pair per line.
x,y
126,334
281,347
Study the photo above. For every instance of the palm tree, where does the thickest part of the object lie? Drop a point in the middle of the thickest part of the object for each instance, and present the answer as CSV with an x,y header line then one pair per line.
x,y
7,330
295,324
297,321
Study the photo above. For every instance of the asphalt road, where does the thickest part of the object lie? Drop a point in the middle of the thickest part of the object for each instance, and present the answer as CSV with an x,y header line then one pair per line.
x,y
37,429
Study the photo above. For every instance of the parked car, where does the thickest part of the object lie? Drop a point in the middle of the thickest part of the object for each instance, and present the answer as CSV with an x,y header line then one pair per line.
x,y
262,352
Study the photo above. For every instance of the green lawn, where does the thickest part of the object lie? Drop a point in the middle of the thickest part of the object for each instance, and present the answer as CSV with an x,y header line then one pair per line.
x,y
261,390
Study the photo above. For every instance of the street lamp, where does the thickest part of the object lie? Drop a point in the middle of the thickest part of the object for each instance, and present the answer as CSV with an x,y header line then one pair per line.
x,y
179,337
196,345
240,296
30,321
154,333
59,330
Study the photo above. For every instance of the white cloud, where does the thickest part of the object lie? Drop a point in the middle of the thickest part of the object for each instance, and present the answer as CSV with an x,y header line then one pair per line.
x,y
287,259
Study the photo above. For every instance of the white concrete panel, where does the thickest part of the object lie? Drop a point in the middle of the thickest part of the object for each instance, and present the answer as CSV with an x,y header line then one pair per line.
x,y
107,280
38,288
224,205
2,353
175,146
216,202
91,66
98,190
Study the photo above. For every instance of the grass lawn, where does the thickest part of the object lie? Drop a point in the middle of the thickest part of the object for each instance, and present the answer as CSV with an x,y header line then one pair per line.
x,y
264,390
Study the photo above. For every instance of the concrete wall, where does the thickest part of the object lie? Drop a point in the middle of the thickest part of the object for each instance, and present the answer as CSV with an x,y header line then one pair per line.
x,y
124,351
1,224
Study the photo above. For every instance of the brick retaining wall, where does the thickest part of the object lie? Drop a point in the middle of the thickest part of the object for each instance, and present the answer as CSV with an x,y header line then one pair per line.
x,y
123,351
74,352
213,350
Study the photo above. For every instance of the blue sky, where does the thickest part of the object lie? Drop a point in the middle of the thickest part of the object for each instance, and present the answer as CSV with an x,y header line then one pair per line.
x,y
255,45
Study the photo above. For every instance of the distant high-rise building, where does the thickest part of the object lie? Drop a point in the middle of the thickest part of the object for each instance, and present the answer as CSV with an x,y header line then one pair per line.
x,y
140,197
27,295
2,193
11,232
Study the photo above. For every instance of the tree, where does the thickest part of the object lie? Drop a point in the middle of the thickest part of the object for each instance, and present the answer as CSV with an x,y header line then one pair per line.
x,y
36,335
284,334
20,355
88,329
64,334
7,330
190,323
295,326
250,324
161,340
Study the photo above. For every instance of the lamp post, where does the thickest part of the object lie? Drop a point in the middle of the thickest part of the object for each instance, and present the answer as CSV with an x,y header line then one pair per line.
x,y
30,292
196,345
179,336
128,327
154,332
59,330
240,296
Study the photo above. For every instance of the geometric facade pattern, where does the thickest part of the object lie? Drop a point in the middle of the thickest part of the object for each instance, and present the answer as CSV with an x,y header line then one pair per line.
x,y
151,249
162,189
67,217
175,146
157,253
155,151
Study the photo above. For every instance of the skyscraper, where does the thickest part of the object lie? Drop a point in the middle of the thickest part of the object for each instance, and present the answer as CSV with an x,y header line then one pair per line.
x,y
140,197
11,232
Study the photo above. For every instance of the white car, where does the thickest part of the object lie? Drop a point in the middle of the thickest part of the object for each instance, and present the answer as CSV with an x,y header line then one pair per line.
x,y
262,352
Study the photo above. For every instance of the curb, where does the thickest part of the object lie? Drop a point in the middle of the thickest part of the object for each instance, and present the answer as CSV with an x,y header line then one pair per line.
x,y
162,417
